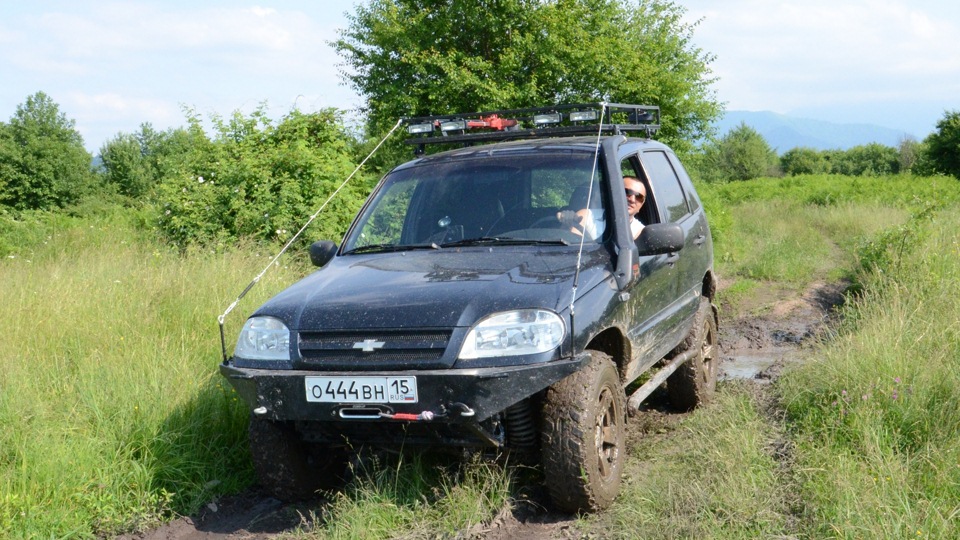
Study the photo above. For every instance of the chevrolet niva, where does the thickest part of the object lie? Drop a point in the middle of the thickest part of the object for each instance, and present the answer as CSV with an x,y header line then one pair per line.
x,y
502,295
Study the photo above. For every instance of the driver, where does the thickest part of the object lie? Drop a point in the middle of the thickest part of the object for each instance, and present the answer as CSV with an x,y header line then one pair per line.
x,y
585,222
636,193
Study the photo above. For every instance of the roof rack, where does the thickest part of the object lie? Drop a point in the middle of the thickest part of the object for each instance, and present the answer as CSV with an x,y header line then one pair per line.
x,y
533,123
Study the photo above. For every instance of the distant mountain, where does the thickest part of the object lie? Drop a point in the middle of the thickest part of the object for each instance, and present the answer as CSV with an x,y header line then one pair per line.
x,y
784,132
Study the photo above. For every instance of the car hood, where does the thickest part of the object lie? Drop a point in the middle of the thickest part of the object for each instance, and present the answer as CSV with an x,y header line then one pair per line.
x,y
434,289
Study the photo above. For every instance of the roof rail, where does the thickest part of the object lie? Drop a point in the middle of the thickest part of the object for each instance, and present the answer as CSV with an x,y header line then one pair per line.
x,y
533,123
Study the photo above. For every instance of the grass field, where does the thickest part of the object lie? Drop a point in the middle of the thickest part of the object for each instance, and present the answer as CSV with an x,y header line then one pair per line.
x,y
874,414
115,418
113,414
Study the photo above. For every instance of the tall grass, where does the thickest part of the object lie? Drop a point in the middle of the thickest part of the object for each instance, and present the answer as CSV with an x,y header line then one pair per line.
x,y
714,477
786,233
875,413
421,496
112,410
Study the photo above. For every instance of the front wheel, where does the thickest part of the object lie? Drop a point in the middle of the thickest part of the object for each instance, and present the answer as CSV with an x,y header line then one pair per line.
x,y
583,437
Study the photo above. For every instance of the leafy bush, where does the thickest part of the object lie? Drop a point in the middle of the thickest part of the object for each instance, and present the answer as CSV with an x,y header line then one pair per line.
x,y
256,179
803,160
866,160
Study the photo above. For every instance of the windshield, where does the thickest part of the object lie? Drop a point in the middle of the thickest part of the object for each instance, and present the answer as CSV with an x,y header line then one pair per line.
x,y
508,198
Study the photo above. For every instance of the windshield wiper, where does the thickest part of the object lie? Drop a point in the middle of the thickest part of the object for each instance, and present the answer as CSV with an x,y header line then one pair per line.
x,y
504,241
383,248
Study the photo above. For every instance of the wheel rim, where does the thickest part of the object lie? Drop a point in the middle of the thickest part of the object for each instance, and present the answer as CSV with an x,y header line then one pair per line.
x,y
607,430
708,353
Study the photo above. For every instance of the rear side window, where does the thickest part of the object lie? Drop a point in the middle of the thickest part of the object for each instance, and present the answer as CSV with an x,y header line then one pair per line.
x,y
663,178
686,183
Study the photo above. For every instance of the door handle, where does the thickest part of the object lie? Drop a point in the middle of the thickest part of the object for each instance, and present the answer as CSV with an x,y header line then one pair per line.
x,y
672,258
699,240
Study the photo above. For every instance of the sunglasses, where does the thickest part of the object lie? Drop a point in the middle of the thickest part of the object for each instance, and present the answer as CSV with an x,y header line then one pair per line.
x,y
636,194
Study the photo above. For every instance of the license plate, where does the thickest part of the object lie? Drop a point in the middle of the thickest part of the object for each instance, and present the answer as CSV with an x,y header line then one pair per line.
x,y
361,389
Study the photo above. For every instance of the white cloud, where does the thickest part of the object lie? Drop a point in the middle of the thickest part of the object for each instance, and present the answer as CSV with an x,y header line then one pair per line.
x,y
108,106
119,30
138,61
786,55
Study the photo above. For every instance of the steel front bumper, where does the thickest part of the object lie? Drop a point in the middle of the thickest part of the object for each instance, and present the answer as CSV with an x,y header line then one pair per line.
x,y
447,395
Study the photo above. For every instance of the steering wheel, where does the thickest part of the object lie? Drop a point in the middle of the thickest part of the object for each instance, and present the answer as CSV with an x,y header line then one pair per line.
x,y
546,222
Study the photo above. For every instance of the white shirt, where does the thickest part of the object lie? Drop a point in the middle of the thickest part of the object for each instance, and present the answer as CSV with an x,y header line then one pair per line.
x,y
593,225
635,227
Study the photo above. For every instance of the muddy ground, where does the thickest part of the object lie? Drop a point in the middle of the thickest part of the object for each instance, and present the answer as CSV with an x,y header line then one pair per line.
x,y
768,332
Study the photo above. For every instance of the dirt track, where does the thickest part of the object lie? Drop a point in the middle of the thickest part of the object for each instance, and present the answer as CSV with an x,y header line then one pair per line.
x,y
754,346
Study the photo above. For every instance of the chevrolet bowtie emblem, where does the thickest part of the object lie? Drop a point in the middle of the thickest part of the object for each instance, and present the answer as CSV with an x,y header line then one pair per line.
x,y
368,345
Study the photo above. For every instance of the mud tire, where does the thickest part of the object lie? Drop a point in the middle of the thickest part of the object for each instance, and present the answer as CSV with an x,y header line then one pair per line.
x,y
694,382
583,441
289,468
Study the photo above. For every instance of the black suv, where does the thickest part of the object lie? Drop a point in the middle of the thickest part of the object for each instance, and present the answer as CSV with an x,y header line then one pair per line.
x,y
470,305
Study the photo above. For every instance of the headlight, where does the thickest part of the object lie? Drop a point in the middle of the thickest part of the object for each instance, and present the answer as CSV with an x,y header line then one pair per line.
x,y
512,333
263,338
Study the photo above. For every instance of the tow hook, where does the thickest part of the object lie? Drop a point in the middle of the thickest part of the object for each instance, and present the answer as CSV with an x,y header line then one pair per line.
x,y
465,411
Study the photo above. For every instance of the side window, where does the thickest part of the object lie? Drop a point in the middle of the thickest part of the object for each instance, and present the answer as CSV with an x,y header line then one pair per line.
x,y
687,184
663,178
648,212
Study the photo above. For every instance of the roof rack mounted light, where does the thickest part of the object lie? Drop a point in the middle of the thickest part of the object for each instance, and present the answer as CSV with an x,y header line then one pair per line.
x,y
416,129
548,118
534,122
583,116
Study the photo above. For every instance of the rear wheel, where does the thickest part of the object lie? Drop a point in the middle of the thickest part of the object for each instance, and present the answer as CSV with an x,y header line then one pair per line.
x,y
583,437
288,467
695,381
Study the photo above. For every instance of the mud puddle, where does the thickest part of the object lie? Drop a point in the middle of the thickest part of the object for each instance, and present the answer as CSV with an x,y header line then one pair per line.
x,y
744,366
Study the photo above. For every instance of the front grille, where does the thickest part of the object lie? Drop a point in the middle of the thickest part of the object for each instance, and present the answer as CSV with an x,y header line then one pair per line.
x,y
383,346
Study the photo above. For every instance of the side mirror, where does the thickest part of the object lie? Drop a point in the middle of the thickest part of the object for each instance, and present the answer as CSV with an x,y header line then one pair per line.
x,y
321,252
659,238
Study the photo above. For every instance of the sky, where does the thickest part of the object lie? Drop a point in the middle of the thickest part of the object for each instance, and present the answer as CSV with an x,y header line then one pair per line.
x,y
112,66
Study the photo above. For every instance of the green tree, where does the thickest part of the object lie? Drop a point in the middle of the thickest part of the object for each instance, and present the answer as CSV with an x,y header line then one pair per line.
x,y
125,165
872,159
923,166
425,57
943,145
136,163
742,154
909,151
804,160
42,157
